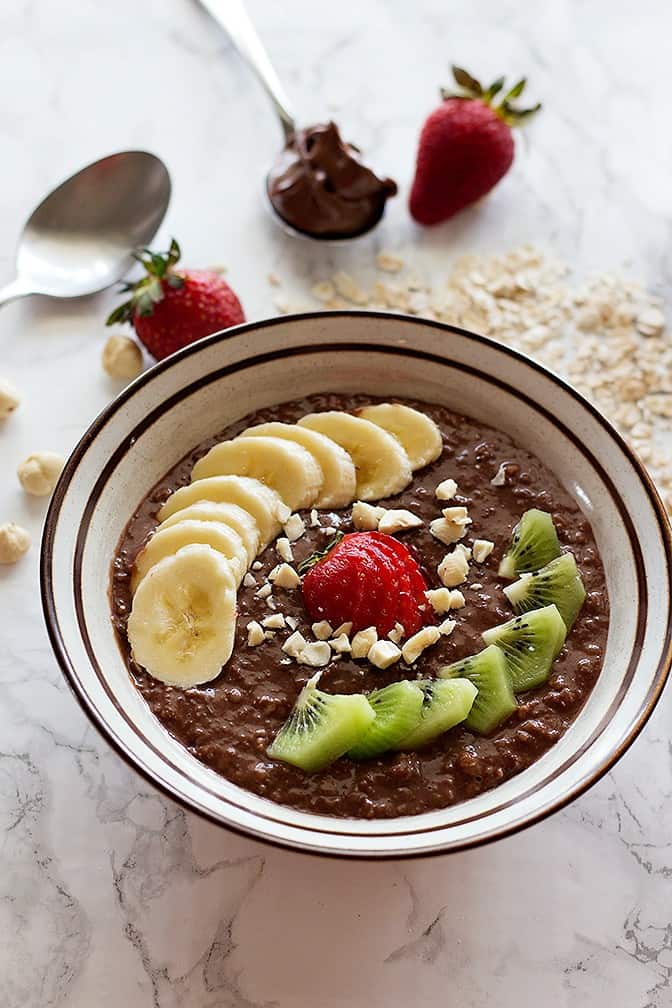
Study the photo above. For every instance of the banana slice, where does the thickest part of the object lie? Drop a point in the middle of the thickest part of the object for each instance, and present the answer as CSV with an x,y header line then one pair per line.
x,y
283,465
260,501
340,480
167,541
183,620
231,515
382,464
417,433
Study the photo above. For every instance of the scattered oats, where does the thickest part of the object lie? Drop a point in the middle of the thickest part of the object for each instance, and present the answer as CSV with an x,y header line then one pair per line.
x,y
651,322
315,654
284,550
14,542
416,644
314,518
388,262
660,404
264,591
273,279
396,633
274,622
344,628
383,654
291,622
447,627
282,512
271,603
249,580
322,630
323,291
366,517
476,586
327,530
294,644
294,527
482,549
499,479
256,566
9,398
398,520
363,641
348,289
453,569
447,532
285,576
446,490
341,644
255,634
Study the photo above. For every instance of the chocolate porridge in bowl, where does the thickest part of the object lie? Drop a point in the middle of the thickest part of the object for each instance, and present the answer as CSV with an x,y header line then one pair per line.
x,y
360,608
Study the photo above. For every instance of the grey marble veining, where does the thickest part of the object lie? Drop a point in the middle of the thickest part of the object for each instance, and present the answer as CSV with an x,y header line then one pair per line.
x,y
110,894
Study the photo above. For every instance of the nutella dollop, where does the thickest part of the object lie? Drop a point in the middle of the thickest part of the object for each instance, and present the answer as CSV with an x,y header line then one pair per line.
x,y
319,185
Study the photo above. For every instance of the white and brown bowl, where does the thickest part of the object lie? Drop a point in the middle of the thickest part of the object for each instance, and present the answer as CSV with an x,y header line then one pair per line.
x,y
181,401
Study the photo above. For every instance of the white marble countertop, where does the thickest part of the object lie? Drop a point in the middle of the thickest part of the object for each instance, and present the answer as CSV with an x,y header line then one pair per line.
x,y
109,893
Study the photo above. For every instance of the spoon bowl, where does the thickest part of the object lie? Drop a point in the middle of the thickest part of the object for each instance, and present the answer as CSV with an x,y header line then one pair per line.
x,y
80,239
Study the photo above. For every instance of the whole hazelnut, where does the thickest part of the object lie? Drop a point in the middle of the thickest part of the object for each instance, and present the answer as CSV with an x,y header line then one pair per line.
x,y
9,398
14,542
122,357
38,474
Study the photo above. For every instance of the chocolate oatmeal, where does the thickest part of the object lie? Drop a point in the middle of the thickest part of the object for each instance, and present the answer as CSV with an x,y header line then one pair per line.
x,y
228,723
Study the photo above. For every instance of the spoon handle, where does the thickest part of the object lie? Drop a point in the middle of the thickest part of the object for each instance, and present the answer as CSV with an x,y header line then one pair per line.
x,y
12,291
233,17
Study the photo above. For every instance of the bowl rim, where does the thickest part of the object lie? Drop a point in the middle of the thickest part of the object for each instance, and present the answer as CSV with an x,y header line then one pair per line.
x,y
108,412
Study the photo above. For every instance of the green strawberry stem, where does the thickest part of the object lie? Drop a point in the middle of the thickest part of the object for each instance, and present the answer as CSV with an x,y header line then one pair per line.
x,y
471,89
159,268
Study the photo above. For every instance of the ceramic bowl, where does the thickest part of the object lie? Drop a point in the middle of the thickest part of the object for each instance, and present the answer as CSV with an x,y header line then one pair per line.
x,y
181,401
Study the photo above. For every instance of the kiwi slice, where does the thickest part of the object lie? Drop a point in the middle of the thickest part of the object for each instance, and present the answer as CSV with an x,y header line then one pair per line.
x,y
446,702
321,727
530,642
398,709
558,582
494,701
534,543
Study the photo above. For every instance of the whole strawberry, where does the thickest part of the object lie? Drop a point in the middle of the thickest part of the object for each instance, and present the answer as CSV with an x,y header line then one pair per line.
x,y
170,308
465,147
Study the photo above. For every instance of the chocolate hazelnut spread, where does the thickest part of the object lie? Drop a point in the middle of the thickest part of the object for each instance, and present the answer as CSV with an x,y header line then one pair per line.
x,y
229,723
319,186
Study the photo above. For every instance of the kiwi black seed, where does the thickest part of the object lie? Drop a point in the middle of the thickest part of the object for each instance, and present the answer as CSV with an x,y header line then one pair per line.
x,y
530,643
446,702
559,582
495,700
321,727
534,543
397,708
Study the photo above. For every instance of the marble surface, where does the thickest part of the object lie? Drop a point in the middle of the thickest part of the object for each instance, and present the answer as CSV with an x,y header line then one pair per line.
x,y
109,893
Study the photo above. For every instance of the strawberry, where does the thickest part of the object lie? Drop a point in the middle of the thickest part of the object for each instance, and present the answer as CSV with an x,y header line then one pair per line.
x,y
368,579
170,308
465,148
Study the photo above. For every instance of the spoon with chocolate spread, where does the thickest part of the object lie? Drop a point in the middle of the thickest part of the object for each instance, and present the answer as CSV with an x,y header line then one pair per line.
x,y
318,185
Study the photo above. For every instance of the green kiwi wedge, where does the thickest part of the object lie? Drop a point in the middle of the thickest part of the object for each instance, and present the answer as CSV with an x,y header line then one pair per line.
x,y
534,543
446,702
559,582
398,708
495,700
321,727
530,642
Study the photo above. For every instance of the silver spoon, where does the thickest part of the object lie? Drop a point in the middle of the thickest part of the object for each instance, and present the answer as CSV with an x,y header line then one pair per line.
x,y
80,239
234,19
